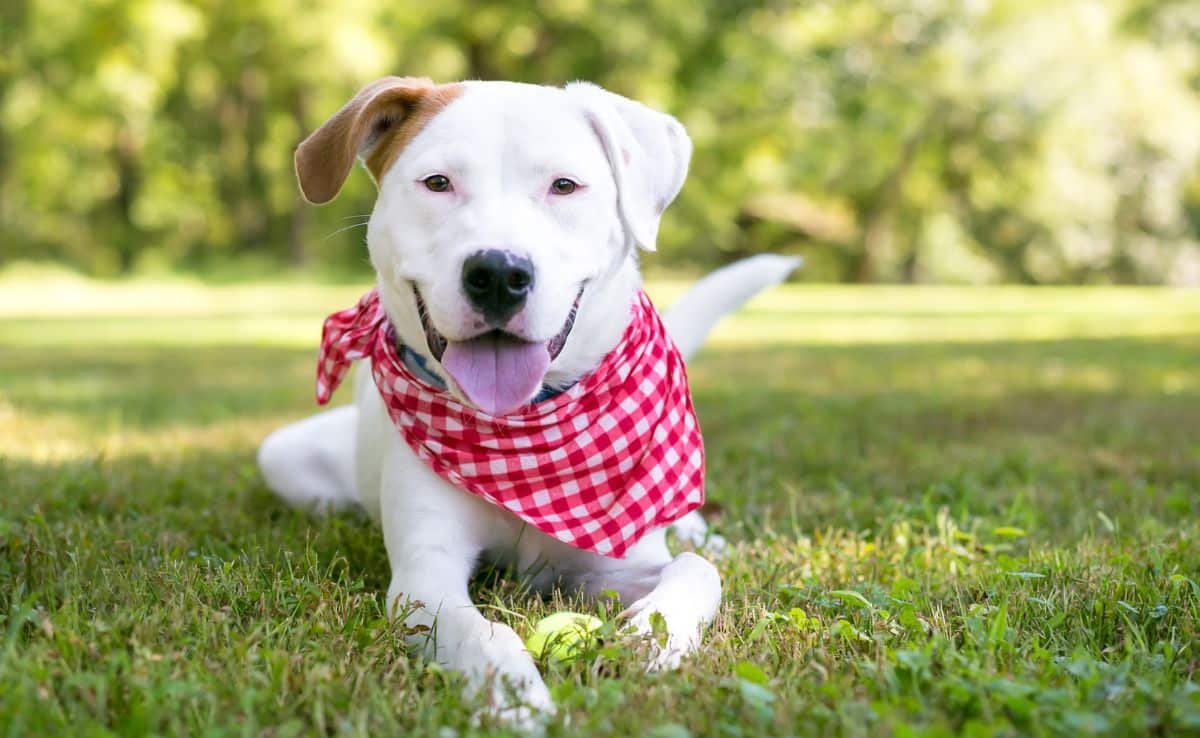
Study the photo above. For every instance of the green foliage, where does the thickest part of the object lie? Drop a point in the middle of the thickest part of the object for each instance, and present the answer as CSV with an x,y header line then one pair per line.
x,y
994,140
952,512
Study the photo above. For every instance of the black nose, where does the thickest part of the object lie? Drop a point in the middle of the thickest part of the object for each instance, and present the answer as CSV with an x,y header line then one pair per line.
x,y
497,282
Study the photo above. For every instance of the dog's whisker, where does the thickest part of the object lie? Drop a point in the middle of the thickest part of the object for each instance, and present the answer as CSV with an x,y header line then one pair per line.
x,y
350,227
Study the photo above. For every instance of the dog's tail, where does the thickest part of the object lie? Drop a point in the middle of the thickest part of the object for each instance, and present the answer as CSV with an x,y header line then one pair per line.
x,y
716,295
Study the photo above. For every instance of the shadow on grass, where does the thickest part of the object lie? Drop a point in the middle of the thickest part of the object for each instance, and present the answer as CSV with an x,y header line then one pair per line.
x,y
144,387
165,525
1045,433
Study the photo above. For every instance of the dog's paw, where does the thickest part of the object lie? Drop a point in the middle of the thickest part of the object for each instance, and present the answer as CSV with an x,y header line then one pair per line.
x,y
672,616
503,672
716,547
671,637
520,707
692,530
522,718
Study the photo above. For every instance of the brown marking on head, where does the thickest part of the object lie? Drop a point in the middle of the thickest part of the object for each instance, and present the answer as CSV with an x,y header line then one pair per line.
x,y
435,99
376,125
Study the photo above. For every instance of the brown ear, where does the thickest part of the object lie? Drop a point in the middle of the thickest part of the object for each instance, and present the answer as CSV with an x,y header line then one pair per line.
x,y
374,125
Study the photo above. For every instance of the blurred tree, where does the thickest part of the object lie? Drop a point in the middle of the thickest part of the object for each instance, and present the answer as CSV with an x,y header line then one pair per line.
x,y
888,140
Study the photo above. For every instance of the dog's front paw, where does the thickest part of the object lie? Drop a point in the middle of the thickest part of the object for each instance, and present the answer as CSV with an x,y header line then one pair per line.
x,y
526,707
670,640
522,718
672,616
503,672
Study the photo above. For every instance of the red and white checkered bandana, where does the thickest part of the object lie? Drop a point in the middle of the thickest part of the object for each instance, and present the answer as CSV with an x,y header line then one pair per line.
x,y
596,466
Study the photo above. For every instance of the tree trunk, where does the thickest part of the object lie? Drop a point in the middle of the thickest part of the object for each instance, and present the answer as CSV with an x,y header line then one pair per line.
x,y
883,203
129,181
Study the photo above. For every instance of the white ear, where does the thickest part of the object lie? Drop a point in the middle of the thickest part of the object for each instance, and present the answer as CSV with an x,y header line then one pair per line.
x,y
648,152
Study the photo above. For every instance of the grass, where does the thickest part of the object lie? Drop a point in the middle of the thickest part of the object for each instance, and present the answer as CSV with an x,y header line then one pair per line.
x,y
955,512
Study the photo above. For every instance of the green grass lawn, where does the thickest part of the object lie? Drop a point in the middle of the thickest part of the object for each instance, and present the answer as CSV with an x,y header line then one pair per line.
x,y
968,512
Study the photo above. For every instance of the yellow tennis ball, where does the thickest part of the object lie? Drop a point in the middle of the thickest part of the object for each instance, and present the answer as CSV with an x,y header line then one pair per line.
x,y
562,636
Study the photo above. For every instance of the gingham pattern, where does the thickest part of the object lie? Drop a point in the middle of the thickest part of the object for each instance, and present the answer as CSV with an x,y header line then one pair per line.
x,y
597,466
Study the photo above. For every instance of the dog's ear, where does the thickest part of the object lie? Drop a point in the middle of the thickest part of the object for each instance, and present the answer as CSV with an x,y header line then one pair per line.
x,y
648,151
372,126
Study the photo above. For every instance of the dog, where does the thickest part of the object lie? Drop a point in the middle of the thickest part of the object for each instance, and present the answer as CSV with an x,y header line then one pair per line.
x,y
505,241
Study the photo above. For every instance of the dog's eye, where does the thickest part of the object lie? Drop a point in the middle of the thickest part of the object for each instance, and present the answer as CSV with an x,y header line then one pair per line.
x,y
437,183
563,186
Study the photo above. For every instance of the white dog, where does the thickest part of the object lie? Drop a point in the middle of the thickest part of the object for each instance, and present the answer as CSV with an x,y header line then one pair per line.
x,y
504,238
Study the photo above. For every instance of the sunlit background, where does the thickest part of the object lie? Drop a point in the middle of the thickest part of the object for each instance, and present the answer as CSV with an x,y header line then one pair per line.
x,y
975,141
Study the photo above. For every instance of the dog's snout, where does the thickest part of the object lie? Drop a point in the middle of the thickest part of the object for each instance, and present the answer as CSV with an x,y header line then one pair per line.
x,y
497,283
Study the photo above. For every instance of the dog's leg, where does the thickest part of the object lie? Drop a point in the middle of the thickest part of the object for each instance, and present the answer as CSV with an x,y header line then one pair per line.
x,y
684,590
310,463
687,597
433,535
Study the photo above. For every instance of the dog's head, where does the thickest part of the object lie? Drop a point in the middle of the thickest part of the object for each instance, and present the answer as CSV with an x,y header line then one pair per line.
x,y
508,216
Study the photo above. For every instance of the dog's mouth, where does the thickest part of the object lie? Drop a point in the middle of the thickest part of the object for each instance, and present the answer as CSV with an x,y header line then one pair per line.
x,y
496,370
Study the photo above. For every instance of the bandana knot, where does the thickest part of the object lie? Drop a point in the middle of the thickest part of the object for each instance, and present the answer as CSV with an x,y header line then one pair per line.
x,y
596,466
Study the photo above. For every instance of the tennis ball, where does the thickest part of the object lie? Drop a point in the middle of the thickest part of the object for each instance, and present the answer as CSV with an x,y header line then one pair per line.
x,y
562,636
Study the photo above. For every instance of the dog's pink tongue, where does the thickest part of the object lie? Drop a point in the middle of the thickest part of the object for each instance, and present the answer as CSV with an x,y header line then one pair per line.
x,y
497,373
